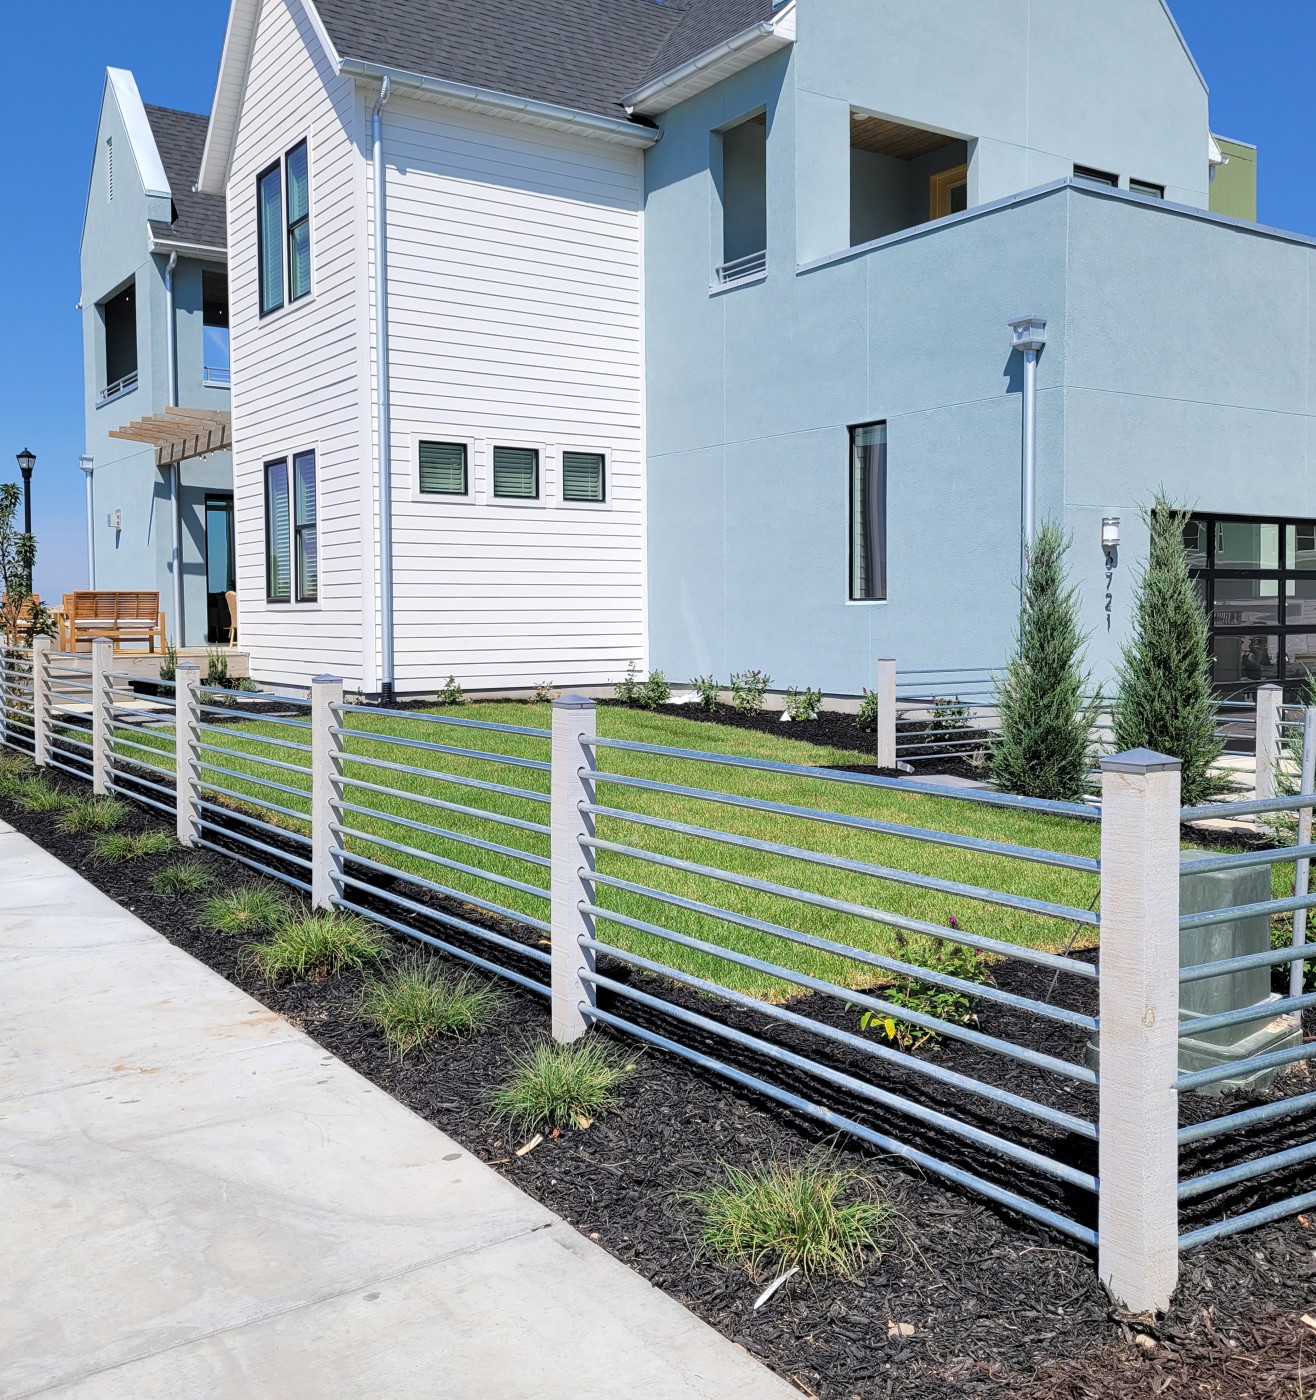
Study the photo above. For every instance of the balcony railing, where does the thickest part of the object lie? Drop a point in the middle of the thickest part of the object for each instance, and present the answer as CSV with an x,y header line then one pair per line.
x,y
739,269
120,387
216,377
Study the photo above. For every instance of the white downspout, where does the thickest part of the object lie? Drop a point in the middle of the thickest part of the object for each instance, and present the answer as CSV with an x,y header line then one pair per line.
x,y
88,465
385,419
1029,338
175,483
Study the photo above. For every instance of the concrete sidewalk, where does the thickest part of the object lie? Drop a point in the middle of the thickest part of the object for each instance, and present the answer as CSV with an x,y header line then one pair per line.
x,y
198,1201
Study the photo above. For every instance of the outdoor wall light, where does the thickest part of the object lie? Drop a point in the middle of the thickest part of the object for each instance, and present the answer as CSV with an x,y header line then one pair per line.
x,y
1110,533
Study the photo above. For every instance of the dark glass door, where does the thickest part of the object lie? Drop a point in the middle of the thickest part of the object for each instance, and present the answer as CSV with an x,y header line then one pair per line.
x,y
221,568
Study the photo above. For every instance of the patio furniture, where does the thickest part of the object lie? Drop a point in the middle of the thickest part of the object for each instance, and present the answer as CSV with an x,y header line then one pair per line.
x,y
124,617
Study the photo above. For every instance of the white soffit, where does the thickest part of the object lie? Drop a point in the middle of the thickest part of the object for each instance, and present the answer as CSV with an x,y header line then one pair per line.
x,y
708,69
140,137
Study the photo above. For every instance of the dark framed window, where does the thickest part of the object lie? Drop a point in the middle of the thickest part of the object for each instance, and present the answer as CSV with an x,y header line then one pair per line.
x,y
442,469
278,533
868,513
1257,581
1146,187
1098,177
304,521
299,222
269,236
583,476
516,473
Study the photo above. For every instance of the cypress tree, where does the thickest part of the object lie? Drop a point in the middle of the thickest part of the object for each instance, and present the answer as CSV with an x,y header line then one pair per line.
x,y
1166,701
1044,743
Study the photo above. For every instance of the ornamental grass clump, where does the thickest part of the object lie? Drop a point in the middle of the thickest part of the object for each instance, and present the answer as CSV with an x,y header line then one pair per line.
x,y
417,1002
37,793
82,815
554,1086
183,877
819,1218
1043,747
317,945
249,909
1166,701
119,847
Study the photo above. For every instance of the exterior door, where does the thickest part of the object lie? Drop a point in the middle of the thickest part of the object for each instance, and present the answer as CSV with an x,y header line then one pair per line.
x,y
221,566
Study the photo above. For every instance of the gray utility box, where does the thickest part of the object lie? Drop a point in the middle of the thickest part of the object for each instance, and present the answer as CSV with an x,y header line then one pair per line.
x,y
1232,991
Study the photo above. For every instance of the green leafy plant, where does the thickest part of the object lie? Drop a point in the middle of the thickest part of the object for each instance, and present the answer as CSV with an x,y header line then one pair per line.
x,y
317,945
36,793
553,1086
169,662
708,691
249,909
803,705
452,693
217,667
627,690
22,614
119,847
951,1004
247,686
1043,746
817,1217
1166,701
84,814
183,877
418,1001
867,717
654,692
748,689
543,694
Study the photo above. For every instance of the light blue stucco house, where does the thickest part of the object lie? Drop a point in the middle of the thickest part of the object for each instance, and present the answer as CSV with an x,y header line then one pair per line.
x,y
156,366
736,334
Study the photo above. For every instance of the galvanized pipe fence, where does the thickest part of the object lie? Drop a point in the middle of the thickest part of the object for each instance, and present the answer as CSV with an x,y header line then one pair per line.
x,y
794,931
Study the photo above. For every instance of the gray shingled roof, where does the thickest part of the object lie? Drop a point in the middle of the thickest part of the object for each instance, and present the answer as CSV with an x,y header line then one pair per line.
x,y
180,138
582,54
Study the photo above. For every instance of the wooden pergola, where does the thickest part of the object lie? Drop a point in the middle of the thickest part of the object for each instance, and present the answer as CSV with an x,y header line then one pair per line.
x,y
179,434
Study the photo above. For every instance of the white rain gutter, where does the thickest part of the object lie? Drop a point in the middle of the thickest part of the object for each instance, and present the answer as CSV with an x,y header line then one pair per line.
x,y
502,104
386,659
175,471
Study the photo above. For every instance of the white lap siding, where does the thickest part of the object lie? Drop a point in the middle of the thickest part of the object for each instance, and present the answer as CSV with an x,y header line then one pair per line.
x,y
514,319
297,380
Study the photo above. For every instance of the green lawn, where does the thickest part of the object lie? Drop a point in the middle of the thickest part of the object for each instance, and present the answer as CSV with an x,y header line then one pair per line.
x,y
485,872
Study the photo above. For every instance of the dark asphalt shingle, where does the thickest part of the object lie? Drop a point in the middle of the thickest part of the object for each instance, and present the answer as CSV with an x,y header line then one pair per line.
x,y
707,23
198,218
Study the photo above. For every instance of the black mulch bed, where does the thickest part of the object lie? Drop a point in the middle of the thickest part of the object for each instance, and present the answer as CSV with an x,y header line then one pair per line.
x,y
998,1306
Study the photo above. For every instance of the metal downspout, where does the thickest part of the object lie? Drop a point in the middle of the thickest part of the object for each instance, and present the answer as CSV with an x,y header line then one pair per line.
x,y
1029,339
88,465
175,483
385,420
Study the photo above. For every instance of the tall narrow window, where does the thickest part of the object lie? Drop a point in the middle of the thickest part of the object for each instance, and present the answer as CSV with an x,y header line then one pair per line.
x,y
214,330
278,537
868,512
299,223
442,468
516,473
269,220
119,321
304,523
582,476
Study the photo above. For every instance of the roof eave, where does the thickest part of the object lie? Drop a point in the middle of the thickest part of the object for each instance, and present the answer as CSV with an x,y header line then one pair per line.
x,y
205,251
522,109
715,65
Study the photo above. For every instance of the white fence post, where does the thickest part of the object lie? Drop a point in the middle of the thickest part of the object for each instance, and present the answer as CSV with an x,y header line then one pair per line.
x,y
326,848
1138,1213
40,700
102,711
572,864
187,735
886,713
1302,877
1269,700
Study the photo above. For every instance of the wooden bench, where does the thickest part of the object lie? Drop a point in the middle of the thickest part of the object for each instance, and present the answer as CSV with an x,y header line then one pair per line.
x,y
122,617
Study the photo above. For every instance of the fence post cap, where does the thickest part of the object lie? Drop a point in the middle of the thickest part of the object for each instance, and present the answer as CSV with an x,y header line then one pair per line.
x,y
574,702
188,666
1270,685
326,680
102,641
1140,761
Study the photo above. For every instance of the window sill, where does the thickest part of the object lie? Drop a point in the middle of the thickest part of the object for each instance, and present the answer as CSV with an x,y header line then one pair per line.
x,y
267,318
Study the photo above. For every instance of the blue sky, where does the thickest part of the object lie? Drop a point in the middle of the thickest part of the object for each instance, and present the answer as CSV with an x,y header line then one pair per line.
x,y
1256,58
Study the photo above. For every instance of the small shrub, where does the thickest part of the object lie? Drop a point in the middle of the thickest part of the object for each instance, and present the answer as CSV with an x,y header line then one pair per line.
x,y
417,1002
217,667
819,1218
708,690
247,686
654,692
553,1086
37,794
452,693
928,998
186,876
950,719
87,814
627,690
869,709
248,909
119,847
802,705
748,689
318,945
543,694
169,662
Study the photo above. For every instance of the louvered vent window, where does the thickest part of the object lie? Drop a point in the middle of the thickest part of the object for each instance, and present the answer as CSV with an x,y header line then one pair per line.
x,y
516,473
582,476
109,164
443,468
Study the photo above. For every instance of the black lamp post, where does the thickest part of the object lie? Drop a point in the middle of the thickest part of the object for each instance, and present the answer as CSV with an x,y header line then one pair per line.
x,y
26,461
